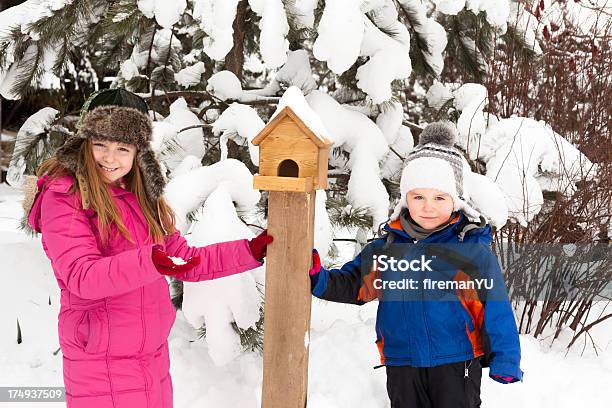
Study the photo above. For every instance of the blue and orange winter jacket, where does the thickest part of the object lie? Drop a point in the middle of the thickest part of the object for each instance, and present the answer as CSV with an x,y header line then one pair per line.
x,y
427,324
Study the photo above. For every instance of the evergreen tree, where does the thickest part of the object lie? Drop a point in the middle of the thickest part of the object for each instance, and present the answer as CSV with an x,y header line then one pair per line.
x,y
85,41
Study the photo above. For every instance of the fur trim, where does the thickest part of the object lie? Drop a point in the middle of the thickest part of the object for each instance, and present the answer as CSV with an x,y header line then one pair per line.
x,y
440,133
68,154
119,124
154,180
30,188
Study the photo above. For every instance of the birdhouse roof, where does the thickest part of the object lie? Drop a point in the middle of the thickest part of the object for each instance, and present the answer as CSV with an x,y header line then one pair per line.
x,y
318,139
294,105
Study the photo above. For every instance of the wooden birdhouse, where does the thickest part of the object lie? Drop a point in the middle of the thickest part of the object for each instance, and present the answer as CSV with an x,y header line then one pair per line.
x,y
292,156
292,166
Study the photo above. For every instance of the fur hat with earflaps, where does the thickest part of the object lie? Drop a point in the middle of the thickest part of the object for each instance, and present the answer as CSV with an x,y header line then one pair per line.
x,y
435,163
118,124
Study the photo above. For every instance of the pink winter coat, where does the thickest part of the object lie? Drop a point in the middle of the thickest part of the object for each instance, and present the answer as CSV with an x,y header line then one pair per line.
x,y
116,313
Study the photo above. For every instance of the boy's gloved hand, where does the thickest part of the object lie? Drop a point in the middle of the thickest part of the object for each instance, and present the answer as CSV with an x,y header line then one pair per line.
x,y
504,379
166,266
316,263
258,245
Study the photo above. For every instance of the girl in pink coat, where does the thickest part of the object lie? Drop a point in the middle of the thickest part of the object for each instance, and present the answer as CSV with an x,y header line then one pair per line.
x,y
109,235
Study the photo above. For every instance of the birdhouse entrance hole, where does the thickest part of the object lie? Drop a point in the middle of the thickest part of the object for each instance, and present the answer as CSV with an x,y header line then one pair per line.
x,y
288,168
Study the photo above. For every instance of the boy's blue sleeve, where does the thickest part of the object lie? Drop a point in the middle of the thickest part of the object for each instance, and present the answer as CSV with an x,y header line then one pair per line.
x,y
340,285
500,325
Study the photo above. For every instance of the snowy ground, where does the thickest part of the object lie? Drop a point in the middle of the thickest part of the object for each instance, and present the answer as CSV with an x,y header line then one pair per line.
x,y
342,350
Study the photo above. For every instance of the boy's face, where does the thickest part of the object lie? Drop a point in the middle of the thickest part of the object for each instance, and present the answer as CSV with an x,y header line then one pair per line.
x,y
114,159
428,207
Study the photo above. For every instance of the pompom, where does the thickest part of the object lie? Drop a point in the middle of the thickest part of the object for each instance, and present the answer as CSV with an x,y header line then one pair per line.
x,y
441,133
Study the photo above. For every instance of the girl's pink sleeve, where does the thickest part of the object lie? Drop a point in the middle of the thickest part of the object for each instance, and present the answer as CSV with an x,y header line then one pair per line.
x,y
73,250
216,260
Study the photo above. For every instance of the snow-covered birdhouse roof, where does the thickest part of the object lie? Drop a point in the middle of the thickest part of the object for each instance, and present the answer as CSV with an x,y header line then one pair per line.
x,y
293,148
287,113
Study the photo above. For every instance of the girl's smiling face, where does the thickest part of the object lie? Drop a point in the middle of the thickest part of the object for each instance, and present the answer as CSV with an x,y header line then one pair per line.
x,y
114,159
428,207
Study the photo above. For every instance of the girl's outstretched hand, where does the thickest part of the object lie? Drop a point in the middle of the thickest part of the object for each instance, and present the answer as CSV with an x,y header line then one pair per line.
x,y
166,266
258,245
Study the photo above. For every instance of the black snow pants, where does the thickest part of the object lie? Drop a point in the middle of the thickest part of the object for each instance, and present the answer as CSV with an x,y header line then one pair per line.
x,y
455,385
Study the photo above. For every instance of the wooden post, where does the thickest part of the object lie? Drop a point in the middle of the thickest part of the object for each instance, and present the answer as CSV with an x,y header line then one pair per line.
x,y
287,299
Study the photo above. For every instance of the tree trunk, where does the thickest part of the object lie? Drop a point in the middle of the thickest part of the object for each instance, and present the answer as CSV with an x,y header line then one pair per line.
x,y
234,60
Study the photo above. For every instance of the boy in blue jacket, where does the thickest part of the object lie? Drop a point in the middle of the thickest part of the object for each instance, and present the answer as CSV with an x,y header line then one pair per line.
x,y
443,308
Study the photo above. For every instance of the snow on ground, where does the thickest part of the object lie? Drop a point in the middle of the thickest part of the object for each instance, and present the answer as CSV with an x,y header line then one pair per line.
x,y
342,350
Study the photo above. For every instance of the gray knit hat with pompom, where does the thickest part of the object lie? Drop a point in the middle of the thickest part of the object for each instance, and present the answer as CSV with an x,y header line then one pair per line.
x,y
435,163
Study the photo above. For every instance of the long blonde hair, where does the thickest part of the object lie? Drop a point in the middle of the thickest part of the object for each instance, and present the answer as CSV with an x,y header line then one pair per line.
x,y
93,190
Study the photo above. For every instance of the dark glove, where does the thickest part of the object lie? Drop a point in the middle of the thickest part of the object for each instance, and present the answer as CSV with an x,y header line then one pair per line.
x,y
167,267
258,245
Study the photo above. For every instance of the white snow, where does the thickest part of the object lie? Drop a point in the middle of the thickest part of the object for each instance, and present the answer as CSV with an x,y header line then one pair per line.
x,y
163,133
470,45
523,156
186,192
517,150
497,11
15,16
487,198
294,99
147,7
340,33
166,13
390,120
323,235
24,15
178,260
451,7
526,24
356,133
470,100
588,19
388,61
190,142
161,43
296,71
341,341
217,18
225,85
240,123
191,75
34,125
437,95
129,69
189,163
220,302
392,165
274,28
428,30
9,77
304,12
